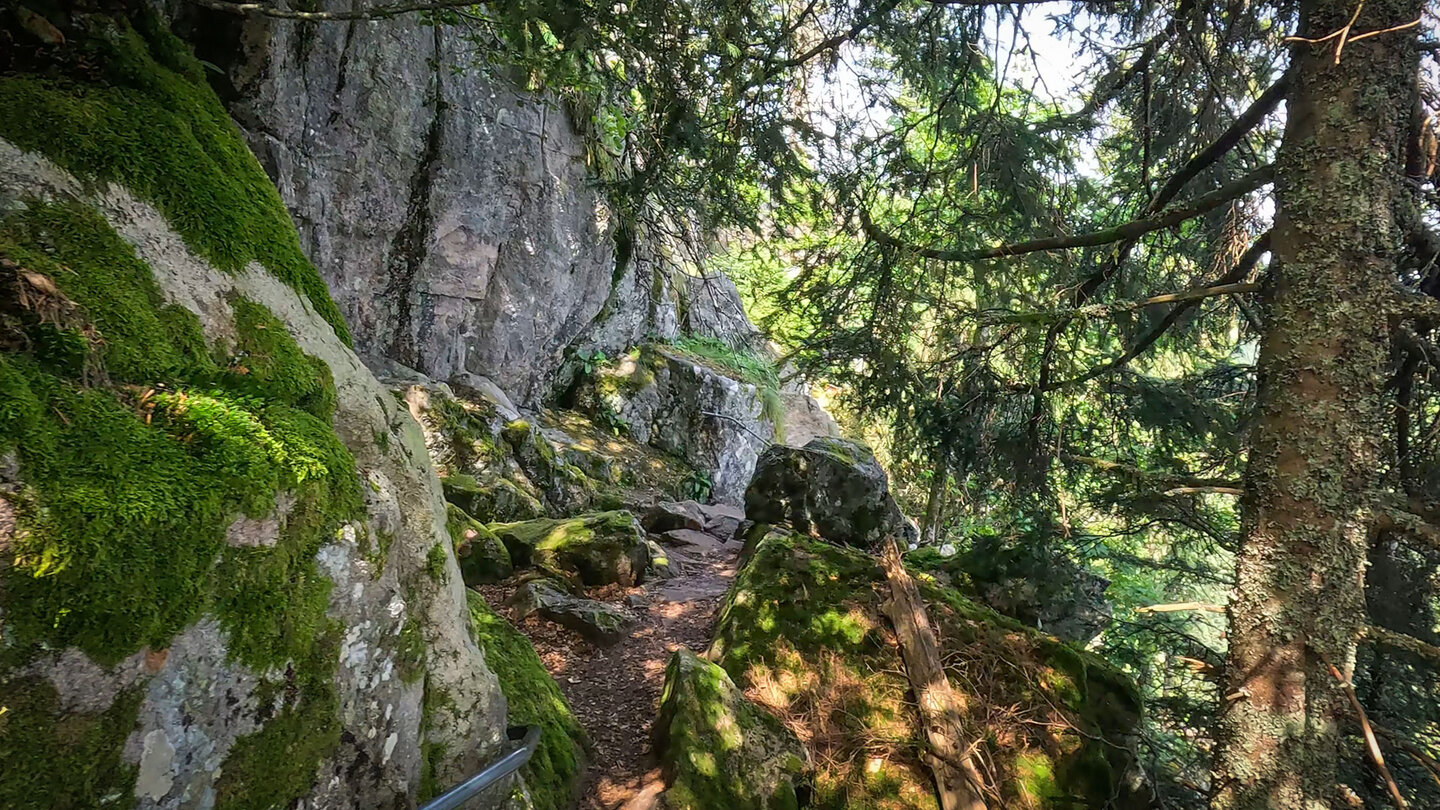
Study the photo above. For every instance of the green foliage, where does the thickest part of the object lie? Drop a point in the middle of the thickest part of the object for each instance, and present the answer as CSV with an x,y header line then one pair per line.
x,y
534,699
695,486
151,124
741,363
85,748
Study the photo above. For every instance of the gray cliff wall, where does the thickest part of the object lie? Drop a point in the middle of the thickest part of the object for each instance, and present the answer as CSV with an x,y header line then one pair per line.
x,y
451,214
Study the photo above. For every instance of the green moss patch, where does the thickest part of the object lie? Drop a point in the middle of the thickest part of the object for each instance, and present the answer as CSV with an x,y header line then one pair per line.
x,y
481,555
802,633
553,772
70,764
151,124
276,765
138,449
136,470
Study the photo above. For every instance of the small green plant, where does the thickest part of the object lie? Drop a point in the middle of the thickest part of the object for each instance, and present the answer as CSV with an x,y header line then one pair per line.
x,y
695,486
591,361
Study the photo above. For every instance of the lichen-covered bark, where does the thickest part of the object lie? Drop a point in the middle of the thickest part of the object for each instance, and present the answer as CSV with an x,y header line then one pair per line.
x,y
1317,443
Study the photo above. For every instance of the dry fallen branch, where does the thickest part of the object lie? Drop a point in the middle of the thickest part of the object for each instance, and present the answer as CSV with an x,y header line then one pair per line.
x,y
942,708
1178,607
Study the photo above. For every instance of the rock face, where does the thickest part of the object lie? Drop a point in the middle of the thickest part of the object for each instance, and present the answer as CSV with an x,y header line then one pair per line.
x,y
318,656
496,468
451,215
830,487
805,419
716,423
720,750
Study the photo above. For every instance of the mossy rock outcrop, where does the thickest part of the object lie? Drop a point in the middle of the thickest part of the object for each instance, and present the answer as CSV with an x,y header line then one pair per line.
x,y
217,528
720,750
553,773
830,487
480,554
494,468
597,549
802,633
601,623
499,500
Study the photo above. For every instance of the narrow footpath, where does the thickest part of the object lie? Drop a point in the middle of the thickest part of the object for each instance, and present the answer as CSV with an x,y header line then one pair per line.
x,y
614,691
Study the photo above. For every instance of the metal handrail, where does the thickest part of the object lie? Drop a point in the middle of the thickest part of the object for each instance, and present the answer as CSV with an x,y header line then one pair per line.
x,y
529,738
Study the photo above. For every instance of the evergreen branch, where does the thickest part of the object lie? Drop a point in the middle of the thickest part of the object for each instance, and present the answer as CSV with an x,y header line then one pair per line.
x,y
1127,231
1242,268
374,13
1229,139
859,26
1156,480
1404,642
840,39
1190,296
1107,91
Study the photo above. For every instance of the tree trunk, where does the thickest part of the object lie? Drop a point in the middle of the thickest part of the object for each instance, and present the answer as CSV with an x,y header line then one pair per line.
x,y
930,532
1317,443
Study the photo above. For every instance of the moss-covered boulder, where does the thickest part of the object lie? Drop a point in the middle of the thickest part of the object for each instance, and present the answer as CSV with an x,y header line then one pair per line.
x,y
718,749
566,487
597,549
598,622
830,487
481,555
802,633
498,500
553,773
222,525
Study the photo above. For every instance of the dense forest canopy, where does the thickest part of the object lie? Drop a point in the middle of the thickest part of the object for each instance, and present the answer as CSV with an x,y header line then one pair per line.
x,y
1169,319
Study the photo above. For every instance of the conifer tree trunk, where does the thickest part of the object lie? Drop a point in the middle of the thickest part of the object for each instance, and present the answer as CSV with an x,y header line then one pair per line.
x,y
930,532
1316,449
